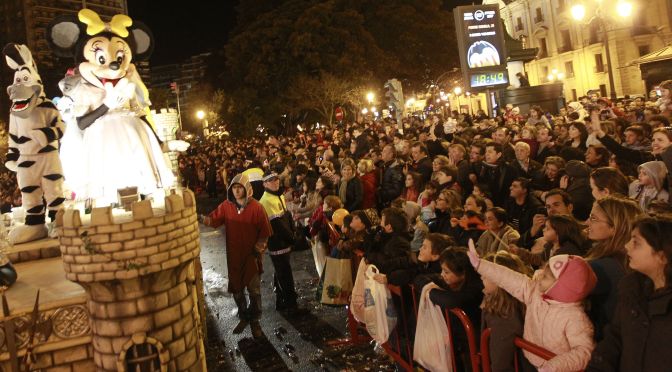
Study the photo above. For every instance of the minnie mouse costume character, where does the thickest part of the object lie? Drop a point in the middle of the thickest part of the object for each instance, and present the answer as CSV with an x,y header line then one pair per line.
x,y
118,147
35,127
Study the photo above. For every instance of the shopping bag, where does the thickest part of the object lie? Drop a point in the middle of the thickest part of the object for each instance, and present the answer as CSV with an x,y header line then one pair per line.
x,y
379,314
319,255
337,285
432,341
357,297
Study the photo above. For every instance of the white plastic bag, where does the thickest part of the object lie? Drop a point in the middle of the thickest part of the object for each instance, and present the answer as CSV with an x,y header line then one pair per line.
x,y
379,314
432,341
319,255
357,296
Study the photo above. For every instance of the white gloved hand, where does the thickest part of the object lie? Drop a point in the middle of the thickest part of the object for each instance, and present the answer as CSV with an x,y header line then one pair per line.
x,y
117,95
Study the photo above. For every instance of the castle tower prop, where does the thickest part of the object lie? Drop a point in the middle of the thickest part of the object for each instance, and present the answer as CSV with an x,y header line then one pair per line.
x,y
141,280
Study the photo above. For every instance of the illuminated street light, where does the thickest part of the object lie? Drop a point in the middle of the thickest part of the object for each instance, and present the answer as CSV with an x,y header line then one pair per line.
x,y
370,96
365,111
200,114
578,12
373,109
624,8
410,102
457,90
555,75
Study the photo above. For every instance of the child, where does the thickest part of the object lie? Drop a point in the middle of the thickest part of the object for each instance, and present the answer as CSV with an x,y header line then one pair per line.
x,y
427,201
419,232
649,184
562,234
503,314
341,250
469,226
481,190
458,286
427,261
393,249
555,318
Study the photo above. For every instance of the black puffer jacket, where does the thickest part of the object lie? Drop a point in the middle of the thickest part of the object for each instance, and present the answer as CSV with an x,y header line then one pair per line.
x,y
638,338
579,188
391,184
390,253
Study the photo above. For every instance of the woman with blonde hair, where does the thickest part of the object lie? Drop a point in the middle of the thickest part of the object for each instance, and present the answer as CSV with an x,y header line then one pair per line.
x,y
609,227
368,175
350,190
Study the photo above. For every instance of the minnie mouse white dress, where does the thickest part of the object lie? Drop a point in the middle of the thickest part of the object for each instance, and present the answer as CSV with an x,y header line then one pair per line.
x,y
121,149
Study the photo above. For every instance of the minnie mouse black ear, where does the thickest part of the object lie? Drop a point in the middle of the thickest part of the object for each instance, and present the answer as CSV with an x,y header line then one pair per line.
x,y
142,41
63,34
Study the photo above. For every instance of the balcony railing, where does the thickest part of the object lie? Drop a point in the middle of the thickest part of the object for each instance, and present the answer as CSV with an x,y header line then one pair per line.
x,y
638,30
565,48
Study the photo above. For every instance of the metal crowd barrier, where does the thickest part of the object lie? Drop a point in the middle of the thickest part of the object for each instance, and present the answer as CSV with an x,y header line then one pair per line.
x,y
520,343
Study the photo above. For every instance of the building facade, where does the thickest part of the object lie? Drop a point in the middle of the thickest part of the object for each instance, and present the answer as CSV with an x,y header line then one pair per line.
x,y
187,74
575,51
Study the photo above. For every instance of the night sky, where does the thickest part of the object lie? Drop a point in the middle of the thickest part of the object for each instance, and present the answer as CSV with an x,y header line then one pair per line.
x,y
190,27
183,30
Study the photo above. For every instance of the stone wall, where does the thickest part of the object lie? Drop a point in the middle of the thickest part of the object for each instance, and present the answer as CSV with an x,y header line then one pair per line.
x,y
63,338
141,279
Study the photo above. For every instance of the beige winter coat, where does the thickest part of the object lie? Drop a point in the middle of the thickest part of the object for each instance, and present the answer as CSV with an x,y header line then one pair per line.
x,y
488,244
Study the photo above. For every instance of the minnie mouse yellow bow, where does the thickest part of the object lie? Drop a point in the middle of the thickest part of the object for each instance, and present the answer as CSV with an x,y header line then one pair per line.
x,y
95,25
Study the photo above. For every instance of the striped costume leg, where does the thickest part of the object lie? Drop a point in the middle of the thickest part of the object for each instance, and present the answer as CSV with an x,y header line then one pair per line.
x,y
52,183
29,174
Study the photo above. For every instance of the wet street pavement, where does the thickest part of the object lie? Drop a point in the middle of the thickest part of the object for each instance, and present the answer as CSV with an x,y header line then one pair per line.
x,y
291,344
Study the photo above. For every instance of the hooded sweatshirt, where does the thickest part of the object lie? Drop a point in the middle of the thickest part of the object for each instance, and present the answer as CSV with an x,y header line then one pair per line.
x,y
657,171
246,224
555,319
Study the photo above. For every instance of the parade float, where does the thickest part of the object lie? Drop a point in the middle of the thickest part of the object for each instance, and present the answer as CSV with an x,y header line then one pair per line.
x,y
107,274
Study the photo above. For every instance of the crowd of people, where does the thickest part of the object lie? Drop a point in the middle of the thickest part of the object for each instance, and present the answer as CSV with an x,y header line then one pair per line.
x,y
566,216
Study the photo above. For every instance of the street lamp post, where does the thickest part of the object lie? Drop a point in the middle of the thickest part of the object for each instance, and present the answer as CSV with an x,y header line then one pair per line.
x,y
457,92
200,114
624,9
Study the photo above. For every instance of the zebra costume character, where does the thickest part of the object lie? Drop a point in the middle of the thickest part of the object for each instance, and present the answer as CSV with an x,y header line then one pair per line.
x,y
35,128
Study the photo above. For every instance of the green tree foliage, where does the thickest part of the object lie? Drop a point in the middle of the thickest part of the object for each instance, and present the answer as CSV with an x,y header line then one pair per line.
x,y
287,58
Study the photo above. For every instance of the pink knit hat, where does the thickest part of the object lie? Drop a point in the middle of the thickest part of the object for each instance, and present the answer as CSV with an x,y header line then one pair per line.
x,y
575,279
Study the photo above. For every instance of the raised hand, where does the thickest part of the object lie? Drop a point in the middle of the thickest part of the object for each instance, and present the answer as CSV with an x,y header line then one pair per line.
x,y
473,255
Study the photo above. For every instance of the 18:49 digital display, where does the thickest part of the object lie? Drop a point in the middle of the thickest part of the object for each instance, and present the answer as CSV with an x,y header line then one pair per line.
x,y
488,78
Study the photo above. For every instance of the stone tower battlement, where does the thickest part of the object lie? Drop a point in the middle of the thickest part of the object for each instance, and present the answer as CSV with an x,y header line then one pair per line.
x,y
142,277
107,250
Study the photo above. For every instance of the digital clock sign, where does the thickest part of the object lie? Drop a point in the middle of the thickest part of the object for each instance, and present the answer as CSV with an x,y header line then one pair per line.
x,y
481,45
485,79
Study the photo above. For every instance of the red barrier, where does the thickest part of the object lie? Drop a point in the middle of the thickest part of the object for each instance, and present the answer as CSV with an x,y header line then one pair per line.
x,y
485,350
474,358
537,350
402,320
